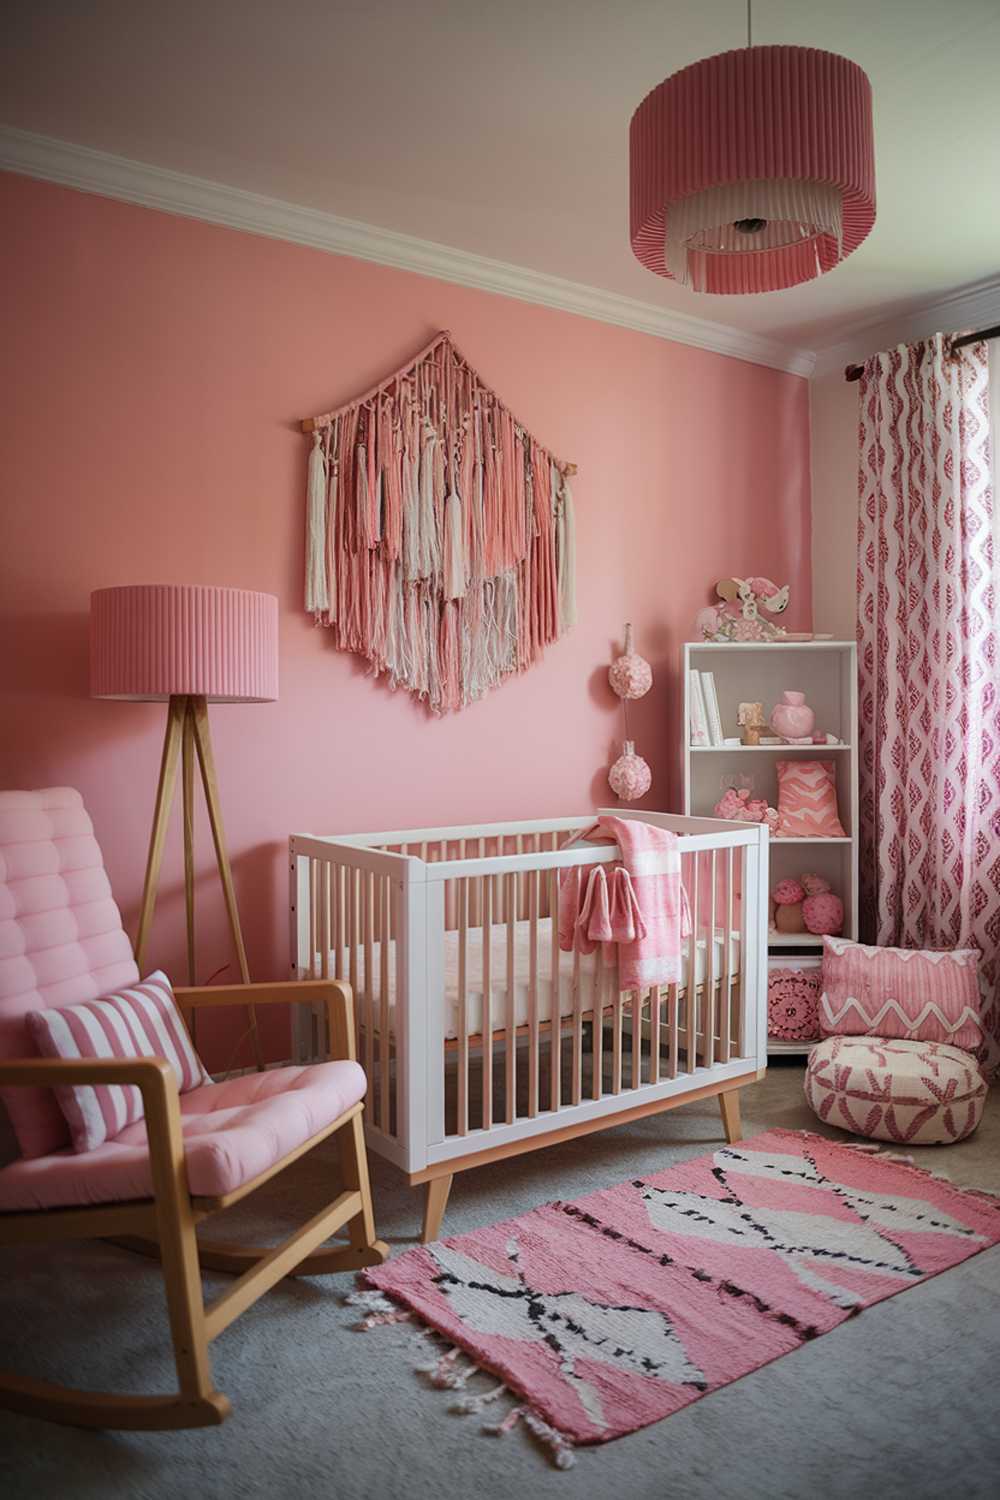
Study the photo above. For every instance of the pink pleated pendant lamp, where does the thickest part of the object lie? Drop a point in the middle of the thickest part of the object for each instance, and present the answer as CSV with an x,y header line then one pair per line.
x,y
189,646
753,170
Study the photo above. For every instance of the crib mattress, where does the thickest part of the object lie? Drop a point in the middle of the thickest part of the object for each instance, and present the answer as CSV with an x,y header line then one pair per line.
x,y
522,962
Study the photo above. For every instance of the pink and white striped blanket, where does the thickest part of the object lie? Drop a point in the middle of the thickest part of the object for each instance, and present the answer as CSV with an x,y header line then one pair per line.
x,y
638,907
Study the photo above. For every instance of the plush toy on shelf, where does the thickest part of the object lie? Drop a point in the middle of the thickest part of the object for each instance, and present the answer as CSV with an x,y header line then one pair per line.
x,y
739,805
807,905
738,618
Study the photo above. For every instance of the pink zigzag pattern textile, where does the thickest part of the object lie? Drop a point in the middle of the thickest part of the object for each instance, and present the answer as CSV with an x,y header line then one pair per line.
x,y
901,992
807,800
928,659
620,1308
142,1021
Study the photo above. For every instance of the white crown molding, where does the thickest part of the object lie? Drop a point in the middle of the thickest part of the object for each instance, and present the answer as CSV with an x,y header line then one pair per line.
x,y
112,176
971,307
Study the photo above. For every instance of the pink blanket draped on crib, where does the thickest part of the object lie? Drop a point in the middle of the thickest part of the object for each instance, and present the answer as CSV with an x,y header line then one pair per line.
x,y
638,906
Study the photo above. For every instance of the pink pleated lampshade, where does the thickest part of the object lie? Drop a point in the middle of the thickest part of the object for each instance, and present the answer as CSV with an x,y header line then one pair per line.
x,y
154,640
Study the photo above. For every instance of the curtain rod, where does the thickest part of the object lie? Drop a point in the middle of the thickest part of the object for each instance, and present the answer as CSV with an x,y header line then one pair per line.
x,y
855,372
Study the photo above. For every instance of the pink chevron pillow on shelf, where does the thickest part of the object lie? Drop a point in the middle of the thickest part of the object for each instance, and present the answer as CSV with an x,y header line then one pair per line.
x,y
141,1021
807,800
901,993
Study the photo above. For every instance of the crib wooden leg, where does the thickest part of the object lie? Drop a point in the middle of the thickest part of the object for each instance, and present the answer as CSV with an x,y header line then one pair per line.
x,y
729,1105
437,1200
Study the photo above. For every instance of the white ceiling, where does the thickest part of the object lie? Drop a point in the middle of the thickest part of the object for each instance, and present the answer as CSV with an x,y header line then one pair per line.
x,y
500,127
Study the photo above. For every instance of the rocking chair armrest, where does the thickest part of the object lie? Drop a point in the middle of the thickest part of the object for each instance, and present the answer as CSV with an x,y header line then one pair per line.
x,y
152,1076
335,994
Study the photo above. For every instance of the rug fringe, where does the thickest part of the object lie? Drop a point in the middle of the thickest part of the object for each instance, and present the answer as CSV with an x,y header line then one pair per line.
x,y
446,1373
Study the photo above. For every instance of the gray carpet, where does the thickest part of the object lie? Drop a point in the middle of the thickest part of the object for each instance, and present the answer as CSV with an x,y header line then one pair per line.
x,y
899,1402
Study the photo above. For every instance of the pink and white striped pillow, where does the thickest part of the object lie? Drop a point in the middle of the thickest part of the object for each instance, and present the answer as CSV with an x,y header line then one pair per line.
x,y
906,993
141,1021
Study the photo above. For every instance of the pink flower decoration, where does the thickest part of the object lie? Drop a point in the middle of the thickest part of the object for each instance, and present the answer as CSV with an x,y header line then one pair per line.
x,y
630,776
824,914
788,893
815,885
631,675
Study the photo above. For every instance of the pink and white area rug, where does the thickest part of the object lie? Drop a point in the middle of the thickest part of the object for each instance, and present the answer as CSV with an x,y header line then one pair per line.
x,y
615,1310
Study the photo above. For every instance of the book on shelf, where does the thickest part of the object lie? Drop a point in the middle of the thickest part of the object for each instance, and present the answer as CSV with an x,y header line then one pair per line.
x,y
696,710
711,697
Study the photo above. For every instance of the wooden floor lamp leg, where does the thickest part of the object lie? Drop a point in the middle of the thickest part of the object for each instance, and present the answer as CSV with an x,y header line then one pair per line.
x,y
187,785
437,1201
729,1105
206,760
161,815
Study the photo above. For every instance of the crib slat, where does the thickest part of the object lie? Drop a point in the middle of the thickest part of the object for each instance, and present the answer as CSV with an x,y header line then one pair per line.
x,y
655,1015
486,882
673,1024
617,1017
312,919
708,1040
511,1040
383,953
726,995
555,1002
352,927
692,978
385,978
338,921
597,1028
368,904
463,1003
532,893
577,1027
636,1079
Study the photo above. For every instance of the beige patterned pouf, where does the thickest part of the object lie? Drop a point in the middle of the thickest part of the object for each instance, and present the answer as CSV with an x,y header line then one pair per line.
x,y
915,1093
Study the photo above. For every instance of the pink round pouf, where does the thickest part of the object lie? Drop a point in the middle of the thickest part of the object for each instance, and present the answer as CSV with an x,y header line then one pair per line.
x,y
910,1093
630,776
788,893
823,914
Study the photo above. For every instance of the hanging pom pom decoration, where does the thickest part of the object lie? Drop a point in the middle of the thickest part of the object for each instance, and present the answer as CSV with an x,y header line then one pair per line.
x,y
630,776
630,675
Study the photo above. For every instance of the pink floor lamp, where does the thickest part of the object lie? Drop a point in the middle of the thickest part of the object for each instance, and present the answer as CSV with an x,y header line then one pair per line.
x,y
188,646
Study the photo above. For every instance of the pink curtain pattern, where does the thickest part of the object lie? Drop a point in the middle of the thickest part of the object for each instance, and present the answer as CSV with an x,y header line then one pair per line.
x,y
928,646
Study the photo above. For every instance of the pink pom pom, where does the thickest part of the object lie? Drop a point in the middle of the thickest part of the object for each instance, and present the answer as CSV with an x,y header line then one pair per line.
x,y
788,893
631,676
630,776
815,885
824,914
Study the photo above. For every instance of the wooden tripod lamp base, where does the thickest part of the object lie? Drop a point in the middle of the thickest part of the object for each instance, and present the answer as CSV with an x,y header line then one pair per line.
x,y
188,737
190,645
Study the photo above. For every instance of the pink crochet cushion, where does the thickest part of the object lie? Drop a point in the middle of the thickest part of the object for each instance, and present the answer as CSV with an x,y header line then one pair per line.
x,y
807,800
913,1093
901,992
61,937
233,1132
793,1004
142,1021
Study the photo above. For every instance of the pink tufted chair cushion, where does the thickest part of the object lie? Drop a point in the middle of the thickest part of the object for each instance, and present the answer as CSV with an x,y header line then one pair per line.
x,y
61,937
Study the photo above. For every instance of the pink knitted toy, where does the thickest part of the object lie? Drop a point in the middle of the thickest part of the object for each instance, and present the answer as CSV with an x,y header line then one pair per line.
x,y
738,805
823,914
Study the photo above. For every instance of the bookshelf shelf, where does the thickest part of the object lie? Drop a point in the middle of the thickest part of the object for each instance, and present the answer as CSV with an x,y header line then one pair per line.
x,y
826,671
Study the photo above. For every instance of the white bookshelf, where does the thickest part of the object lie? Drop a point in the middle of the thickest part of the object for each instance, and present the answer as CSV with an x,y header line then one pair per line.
x,y
826,671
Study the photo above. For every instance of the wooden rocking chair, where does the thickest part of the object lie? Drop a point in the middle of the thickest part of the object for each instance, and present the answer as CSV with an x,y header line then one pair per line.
x,y
153,1184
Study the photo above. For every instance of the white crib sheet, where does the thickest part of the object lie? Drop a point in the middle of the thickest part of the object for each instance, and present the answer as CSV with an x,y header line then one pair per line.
x,y
522,961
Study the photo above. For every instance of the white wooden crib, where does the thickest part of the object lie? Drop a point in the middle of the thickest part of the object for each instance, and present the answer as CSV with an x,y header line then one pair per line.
x,y
449,939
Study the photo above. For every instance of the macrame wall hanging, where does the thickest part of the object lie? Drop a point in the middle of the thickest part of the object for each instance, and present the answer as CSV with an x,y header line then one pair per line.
x,y
440,534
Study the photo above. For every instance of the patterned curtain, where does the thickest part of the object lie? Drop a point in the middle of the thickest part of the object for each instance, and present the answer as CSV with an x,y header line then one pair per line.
x,y
928,643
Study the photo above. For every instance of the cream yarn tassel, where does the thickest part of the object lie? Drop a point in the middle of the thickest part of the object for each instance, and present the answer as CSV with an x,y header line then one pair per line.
x,y
454,553
317,595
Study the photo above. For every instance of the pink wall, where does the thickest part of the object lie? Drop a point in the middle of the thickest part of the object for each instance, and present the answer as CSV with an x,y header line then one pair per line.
x,y
156,369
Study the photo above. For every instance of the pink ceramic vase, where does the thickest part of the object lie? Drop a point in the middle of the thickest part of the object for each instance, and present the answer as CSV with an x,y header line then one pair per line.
x,y
792,718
